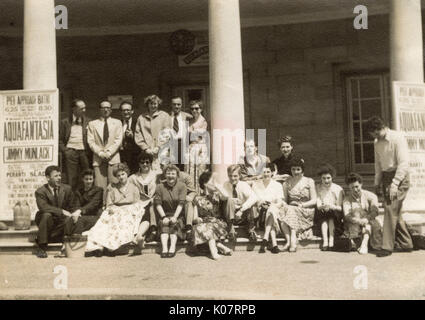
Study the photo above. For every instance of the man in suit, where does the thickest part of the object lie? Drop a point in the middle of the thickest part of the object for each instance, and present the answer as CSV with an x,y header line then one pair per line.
x,y
55,202
104,136
180,125
73,143
88,204
129,150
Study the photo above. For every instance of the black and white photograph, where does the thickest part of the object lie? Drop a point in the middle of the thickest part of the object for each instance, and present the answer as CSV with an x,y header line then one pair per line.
x,y
227,150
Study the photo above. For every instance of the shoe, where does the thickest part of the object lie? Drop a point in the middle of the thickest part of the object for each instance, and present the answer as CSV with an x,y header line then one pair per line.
x,y
285,247
151,237
41,253
263,246
164,254
171,254
383,253
189,235
98,253
253,236
293,249
136,252
62,254
232,236
275,249
403,250
324,248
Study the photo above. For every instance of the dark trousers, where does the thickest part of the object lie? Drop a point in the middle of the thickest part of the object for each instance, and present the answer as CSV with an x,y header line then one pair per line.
x,y
179,160
395,229
83,223
50,228
76,161
249,217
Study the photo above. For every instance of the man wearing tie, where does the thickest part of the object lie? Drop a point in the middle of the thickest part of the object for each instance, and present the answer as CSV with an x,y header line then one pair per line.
x,y
55,202
104,136
179,123
73,143
129,151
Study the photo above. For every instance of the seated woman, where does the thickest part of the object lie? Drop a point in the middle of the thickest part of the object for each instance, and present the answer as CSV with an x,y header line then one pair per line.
x,y
209,227
283,162
252,164
145,181
169,201
360,210
270,199
329,205
300,194
119,222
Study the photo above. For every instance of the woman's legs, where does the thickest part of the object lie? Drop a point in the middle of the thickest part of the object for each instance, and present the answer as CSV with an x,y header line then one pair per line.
x,y
173,242
164,242
324,227
287,233
223,249
213,249
331,225
366,230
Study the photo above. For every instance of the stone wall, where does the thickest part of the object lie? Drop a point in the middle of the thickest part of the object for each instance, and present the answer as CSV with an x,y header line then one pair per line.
x,y
293,76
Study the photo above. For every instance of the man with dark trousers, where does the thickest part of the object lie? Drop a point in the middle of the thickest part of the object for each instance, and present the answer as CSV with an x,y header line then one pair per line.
x,y
129,150
88,204
55,202
392,175
76,153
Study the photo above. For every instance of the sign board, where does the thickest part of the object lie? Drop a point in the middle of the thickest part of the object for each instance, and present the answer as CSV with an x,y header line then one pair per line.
x,y
409,100
28,144
199,56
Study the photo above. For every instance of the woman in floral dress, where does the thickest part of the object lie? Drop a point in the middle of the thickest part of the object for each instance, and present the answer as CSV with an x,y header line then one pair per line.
x,y
210,228
296,219
119,223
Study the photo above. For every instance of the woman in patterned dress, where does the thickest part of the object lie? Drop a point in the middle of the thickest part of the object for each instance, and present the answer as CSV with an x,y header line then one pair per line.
x,y
197,157
296,219
209,227
119,223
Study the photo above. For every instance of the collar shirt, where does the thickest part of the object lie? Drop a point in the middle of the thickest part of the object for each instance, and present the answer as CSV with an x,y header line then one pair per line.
x,y
391,154
272,193
363,207
179,134
244,193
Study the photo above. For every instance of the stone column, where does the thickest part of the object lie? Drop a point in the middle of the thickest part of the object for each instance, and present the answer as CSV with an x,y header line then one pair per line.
x,y
406,43
226,83
39,45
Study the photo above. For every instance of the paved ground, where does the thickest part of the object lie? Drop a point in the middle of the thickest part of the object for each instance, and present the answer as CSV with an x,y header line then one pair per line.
x,y
307,274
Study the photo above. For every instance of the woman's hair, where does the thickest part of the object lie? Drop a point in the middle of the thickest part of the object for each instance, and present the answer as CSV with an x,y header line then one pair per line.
x,y
120,167
171,167
374,123
152,98
326,168
353,177
233,168
88,172
144,156
193,102
297,161
285,139
271,166
204,178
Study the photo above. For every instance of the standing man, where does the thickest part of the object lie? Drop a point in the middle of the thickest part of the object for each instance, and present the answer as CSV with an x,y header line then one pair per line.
x,y
55,202
392,173
129,151
179,123
73,143
104,137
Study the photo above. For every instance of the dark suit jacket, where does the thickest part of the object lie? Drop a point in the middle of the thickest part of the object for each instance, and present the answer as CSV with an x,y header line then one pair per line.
x,y
46,202
65,131
90,202
128,144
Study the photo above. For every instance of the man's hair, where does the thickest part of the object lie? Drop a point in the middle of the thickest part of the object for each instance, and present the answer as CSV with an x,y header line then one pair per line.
x,y
375,123
176,97
353,177
326,168
249,140
126,102
75,101
50,169
88,172
105,100
233,168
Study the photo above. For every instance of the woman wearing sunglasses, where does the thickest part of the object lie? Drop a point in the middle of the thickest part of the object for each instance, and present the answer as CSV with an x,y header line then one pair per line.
x,y
198,156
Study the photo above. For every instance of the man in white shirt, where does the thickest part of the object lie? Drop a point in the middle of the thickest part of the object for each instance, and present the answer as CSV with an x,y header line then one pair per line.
x,y
240,201
392,173
179,124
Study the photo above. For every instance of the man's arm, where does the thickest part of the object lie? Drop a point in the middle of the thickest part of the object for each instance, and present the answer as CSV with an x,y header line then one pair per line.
x,y
91,141
402,157
44,206
373,206
112,149
251,197
378,169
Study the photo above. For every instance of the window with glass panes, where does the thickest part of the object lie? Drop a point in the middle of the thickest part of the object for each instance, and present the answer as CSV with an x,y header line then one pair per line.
x,y
368,95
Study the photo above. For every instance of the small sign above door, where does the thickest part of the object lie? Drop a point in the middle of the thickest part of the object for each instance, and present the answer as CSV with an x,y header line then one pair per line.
x,y
199,56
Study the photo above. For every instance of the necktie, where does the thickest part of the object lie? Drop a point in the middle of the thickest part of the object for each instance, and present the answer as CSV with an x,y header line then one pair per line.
x,y
55,194
176,124
145,189
105,132
77,121
234,193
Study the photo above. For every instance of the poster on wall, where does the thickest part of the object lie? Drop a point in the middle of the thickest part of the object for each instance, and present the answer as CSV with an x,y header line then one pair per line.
x,y
29,143
409,99
199,56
